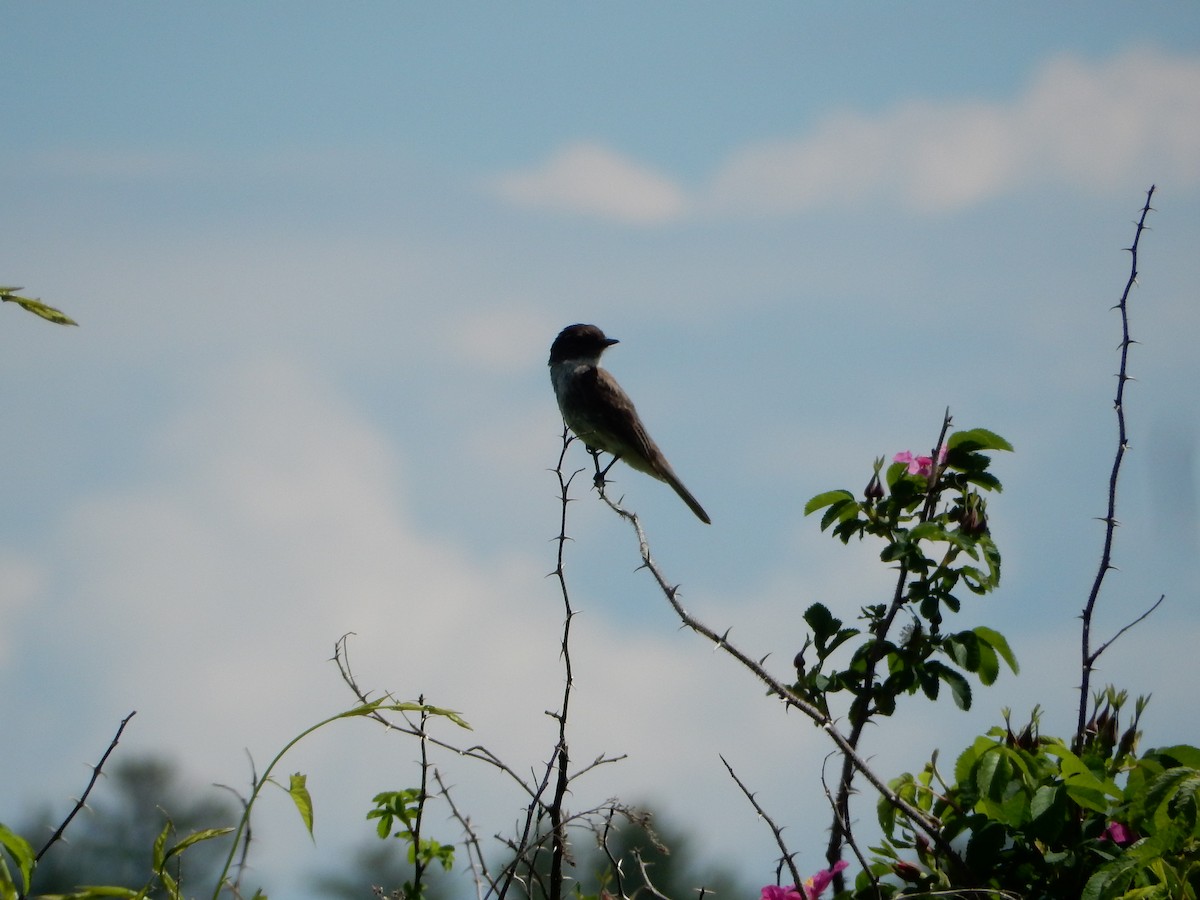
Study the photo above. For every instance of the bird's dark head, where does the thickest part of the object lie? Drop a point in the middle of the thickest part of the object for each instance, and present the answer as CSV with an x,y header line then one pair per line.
x,y
579,342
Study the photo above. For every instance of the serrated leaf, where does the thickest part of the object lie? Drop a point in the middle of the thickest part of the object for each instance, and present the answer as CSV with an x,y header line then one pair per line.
x,y
821,620
989,664
977,439
929,531
1084,788
960,688
822,500
1183,754
999,643
963,648
298,791
841,511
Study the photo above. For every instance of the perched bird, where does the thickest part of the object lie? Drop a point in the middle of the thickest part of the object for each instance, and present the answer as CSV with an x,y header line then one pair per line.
x,y
601,414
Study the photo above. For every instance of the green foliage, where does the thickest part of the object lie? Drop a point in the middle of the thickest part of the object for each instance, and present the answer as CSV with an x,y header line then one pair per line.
x,y
298,783
162,882
1039,819
403,810
35,306
298,791
939,548
18,849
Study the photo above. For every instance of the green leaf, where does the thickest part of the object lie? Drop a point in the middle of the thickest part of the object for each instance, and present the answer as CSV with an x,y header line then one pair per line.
x,y
169,884
195,838
158,854
841,511
984,846
298,791
829,497
977,439
929,531
1084,788
821,620
387,704
963,648
1048,811
20,851
35,306
1182,754
1109,881
960,689
999,643
994,773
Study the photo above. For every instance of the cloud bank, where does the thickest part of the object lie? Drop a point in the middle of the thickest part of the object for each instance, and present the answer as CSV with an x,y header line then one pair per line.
x,y
1090,126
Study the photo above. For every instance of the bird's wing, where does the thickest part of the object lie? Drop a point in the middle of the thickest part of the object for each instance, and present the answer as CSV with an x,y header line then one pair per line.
x,y
613,423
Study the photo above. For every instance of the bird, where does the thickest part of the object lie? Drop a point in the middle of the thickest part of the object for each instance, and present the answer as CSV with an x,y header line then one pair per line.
x,y
601,414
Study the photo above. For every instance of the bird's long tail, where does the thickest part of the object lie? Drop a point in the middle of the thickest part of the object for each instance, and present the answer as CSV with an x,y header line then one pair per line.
x,y
686,496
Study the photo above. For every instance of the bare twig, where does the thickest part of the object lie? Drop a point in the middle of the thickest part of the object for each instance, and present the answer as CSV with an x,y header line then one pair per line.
x,y
786,855
475,859
612,860
1088,657
478,752
82,801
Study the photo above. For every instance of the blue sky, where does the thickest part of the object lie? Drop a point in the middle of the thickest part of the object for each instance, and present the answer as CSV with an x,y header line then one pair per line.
x,y
318,253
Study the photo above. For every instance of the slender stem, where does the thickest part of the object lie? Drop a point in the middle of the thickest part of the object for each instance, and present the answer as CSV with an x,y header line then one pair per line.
x,y
1087,656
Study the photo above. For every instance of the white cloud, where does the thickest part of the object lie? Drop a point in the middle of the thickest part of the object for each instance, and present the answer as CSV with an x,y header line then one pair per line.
x,y
1117,124
590,179
1092,126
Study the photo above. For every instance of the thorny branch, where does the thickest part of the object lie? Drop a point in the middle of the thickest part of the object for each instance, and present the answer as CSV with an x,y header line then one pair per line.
x,y
1088,656
786,857
920,819
82,801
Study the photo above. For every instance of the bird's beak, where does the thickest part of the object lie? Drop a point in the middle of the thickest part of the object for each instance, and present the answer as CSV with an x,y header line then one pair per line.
x,y
608,342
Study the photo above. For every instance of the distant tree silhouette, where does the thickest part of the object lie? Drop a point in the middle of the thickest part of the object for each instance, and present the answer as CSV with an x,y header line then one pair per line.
x,y
111,841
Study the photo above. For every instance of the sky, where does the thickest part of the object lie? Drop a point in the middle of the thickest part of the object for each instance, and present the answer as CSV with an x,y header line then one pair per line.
x,y
318,252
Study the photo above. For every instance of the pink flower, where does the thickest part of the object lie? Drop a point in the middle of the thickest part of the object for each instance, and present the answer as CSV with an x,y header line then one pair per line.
x,y
815,885
812,888
1119,834
920,465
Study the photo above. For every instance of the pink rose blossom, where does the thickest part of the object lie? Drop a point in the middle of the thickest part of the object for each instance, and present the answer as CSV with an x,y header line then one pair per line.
x,y
812,888
920,465
1119,834
815,885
